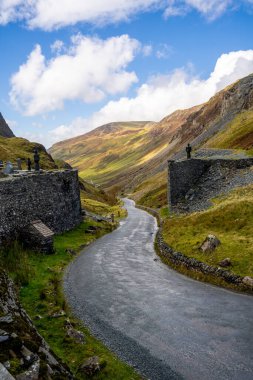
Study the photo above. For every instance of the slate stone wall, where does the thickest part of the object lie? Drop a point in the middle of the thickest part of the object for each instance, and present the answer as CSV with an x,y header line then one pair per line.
x,y
184,175
53,197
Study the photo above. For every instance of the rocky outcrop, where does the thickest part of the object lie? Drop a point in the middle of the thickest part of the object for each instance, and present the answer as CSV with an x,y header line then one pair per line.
x,y
24,354
210,244
5,130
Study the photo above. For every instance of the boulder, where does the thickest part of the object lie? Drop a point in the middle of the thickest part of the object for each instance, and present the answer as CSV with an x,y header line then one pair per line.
x,y
70,252
210,243
225,263
5,374
91,366
32,373
248,281
61,313
78,336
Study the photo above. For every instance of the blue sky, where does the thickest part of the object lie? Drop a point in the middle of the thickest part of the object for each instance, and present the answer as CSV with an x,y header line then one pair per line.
x,y
70,68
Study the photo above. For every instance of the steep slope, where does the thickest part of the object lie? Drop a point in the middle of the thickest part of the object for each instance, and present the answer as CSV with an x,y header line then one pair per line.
x,y
12,147
133,156
16,147
238,134
5,130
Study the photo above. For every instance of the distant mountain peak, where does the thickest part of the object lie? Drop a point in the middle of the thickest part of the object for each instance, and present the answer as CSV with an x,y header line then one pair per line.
x,y
5,130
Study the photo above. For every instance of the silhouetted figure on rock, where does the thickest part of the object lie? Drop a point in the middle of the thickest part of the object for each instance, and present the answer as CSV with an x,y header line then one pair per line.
x,y
188,151
29,164
36,159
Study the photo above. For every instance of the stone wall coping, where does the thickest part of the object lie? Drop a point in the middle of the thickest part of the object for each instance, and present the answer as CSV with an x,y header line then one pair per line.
x,y
26,174
213,159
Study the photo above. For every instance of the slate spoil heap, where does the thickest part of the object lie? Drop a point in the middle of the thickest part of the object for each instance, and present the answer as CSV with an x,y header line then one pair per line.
x,y
24,354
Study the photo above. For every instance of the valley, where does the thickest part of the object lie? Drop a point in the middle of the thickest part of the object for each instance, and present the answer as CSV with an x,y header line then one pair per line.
x,y
132,157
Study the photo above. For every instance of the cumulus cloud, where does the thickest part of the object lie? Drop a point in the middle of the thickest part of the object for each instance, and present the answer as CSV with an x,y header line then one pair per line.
x,y
57,47
91,69
211,8
162,95
52,14
11,10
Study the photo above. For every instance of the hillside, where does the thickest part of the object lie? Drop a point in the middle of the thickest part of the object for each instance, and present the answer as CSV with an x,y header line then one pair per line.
x,y
12,147
93,198
132,157
16,147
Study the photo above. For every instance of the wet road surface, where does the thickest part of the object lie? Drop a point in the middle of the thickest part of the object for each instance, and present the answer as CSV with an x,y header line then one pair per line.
x,y
166,325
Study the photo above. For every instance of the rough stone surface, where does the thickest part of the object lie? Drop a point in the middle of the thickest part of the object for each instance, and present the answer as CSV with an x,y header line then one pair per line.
x,y
5,130
91,366
248,281
210,244
193,183
4,373
32,373
78,336
25,343
53,197
225,263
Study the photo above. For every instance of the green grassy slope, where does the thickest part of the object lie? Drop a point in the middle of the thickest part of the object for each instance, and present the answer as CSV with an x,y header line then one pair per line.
x,y
230,219
237,135
103,153
15,147
96,200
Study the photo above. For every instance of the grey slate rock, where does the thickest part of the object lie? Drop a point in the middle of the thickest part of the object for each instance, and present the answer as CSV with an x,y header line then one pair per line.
x,y
5,374
5,130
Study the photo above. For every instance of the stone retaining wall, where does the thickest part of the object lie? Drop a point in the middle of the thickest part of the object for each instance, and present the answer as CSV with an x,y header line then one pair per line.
x,y
184,175
53,197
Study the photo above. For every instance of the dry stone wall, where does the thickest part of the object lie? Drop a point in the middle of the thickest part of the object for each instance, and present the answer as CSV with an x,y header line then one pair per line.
x,y
53,197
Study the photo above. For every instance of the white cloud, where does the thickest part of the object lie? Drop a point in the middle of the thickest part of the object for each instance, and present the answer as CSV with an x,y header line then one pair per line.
x,y
164,51
57,47
91,69
52,14
162,95
11,10
147,50
210,9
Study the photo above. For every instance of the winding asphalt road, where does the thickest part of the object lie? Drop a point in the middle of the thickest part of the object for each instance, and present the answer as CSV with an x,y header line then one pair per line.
x,y
166,325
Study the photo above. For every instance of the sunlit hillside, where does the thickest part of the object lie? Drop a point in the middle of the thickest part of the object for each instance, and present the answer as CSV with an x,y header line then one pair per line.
x,y
132,156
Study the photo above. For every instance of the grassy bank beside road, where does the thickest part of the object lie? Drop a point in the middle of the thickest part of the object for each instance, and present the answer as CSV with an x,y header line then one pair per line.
x,y
230,219
41,295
